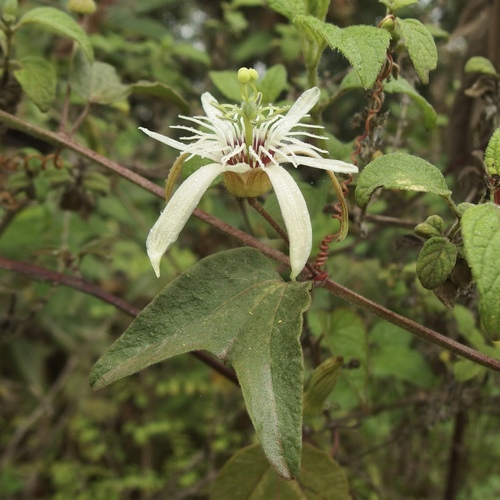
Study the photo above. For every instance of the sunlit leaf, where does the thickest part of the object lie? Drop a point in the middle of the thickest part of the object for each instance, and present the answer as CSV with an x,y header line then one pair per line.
x,y
400,171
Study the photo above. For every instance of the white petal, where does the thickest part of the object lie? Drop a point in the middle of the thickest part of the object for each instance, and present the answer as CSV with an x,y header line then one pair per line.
x,y
327,164
300,108
295,214
163,138
177,212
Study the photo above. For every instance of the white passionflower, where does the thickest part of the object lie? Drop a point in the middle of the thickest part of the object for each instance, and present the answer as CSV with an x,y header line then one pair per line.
x,y
248,145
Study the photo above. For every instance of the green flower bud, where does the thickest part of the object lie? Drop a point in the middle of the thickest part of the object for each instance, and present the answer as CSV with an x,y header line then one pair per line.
x,y
82,6
433,226
244,75
9,11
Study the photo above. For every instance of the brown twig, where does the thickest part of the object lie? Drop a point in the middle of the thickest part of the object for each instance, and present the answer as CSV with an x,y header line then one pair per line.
x,y
82,285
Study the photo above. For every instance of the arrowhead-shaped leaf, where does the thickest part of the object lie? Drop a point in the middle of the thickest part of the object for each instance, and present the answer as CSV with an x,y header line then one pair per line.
x,y
420,45
481,233
236,306
436,261
58,22
365,47
38,79
248,475
400,171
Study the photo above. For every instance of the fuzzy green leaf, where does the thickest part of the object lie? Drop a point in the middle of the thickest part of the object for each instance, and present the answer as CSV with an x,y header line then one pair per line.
x,y
436,261
401,86
400,171
479,64
365,47
318,8
236,306
288,8
249,474
481,232
492,154
58,22
420,45
38,80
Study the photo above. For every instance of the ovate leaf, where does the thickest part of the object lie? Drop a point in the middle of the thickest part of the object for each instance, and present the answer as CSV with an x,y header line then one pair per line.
x,y
401,86
38,80
400,171
158,89
479,64
492,154
58,22
365,47
420,45
436,261
248,475
481,233
236,306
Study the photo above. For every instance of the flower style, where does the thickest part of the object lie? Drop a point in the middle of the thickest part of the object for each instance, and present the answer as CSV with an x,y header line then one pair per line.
x,y
248,145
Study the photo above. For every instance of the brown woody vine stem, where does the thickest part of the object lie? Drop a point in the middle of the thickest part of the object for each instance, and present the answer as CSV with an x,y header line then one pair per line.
x,y
85,286
62,141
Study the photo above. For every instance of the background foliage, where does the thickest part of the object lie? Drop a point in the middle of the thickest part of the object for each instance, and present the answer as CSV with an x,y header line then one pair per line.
x,y
406,419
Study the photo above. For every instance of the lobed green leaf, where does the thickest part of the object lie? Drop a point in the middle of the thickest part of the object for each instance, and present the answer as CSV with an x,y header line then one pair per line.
x,y
400,171
481,232
236,306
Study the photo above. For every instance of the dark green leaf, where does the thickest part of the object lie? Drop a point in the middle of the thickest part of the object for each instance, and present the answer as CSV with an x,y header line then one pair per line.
x,y
420,45
481,233
248,475
236,306
401,86
160,90
58,22
436,261
400,171
38,80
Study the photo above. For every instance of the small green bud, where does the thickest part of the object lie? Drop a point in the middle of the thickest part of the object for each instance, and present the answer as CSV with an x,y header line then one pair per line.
x,y
9,11
244,75
82,6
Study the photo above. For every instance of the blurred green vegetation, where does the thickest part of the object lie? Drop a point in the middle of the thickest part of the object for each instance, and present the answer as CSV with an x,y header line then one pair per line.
x,y
400,421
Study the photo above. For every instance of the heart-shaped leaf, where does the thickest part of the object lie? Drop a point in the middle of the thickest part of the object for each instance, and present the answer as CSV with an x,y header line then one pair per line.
x,y
236,306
